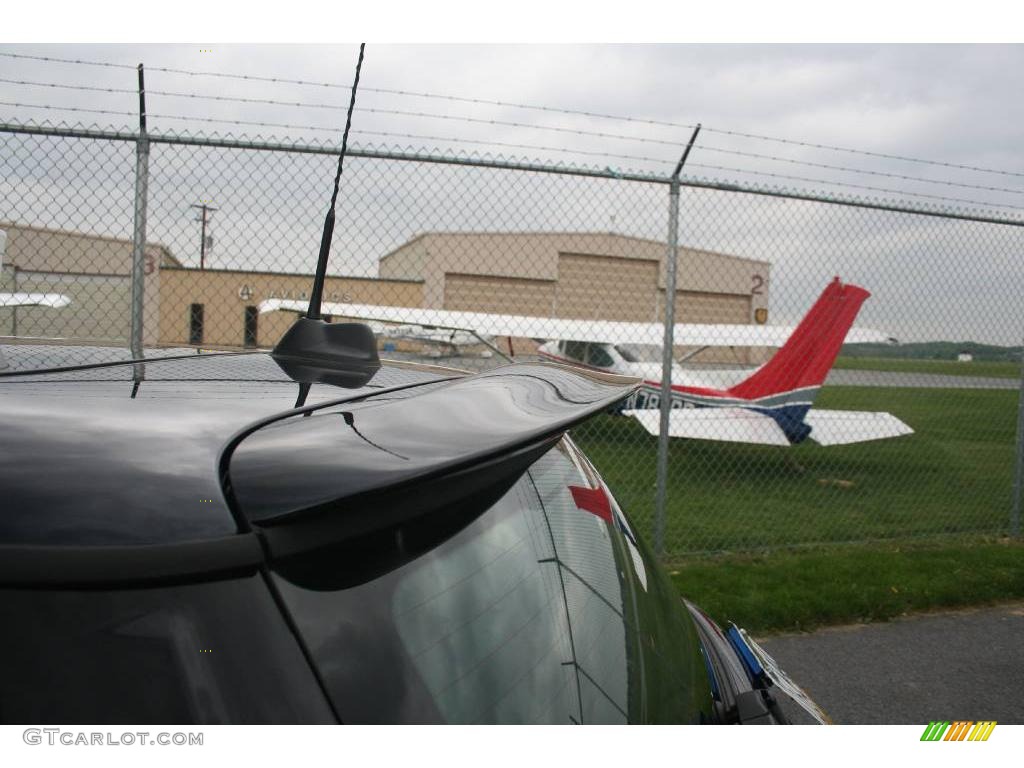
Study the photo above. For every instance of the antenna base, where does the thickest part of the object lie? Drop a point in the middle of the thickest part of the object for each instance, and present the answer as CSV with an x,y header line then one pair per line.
x,y
344,354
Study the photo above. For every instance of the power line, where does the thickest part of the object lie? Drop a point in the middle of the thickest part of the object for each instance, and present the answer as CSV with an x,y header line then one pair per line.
x,y
704,148
598,115
767,174
54,59
244,100
67,109
417,136
67,86
423,137
342,86
865,152
407,113
825,166
669,124
564,150
848,185
511,124
426,95
583,113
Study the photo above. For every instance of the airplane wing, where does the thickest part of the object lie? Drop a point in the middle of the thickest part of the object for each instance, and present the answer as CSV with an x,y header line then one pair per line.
x,y
605,331
55,300
741,425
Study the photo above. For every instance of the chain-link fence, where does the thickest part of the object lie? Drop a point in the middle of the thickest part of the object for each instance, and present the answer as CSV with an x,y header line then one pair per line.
x,y
231,223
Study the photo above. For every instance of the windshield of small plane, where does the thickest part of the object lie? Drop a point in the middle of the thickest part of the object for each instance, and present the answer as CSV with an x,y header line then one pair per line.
x,y
639,353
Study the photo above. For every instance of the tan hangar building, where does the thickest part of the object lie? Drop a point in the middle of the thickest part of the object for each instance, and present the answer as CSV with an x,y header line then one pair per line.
x,y
586,275
579,275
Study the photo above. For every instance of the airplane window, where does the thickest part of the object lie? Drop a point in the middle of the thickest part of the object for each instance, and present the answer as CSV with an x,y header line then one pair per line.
x,y
598,356
639,353
576,350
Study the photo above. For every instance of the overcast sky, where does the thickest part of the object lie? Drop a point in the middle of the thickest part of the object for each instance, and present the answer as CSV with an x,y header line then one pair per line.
x,y
957,105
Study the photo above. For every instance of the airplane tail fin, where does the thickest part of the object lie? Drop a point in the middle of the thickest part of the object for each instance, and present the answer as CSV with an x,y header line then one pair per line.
x,y
808,354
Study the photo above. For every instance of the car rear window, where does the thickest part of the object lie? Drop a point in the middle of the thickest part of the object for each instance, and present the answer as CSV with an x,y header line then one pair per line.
x,y
526,615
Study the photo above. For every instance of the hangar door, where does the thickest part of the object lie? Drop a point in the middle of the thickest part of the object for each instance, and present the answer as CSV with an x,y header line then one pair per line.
x,y
606,288
696,307
500,295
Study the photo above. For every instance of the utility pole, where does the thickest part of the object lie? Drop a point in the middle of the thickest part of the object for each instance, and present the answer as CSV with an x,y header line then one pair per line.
x,y
204,209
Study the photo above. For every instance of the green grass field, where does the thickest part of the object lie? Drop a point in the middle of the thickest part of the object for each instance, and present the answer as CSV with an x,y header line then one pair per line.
x,y
954,475
804,590
781,512
1000,370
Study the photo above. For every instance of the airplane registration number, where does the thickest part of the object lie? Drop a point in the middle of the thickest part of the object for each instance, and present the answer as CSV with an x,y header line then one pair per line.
x,y
651,399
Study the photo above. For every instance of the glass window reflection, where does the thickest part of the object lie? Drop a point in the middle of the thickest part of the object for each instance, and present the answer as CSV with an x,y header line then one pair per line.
x,y
515,619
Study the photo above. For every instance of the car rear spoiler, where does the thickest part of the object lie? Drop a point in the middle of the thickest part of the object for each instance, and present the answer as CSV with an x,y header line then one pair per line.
x,y
354,469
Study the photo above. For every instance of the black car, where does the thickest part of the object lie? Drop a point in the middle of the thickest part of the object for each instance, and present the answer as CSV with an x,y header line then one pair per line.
x,y
202,539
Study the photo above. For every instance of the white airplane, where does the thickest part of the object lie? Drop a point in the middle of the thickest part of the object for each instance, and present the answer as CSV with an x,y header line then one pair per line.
x,y
54,300
772,406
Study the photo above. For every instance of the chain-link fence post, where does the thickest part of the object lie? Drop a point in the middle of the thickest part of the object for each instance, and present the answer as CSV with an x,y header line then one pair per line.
x,y
668,345
139,231
1018,483
666,364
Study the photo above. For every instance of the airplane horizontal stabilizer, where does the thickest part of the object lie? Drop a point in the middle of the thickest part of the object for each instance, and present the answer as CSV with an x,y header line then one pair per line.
x,y
732,425
742,425
845,427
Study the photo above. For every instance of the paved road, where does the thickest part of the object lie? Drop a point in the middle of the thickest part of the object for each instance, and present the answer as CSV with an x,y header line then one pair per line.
x,y
718,376
967,665
925,380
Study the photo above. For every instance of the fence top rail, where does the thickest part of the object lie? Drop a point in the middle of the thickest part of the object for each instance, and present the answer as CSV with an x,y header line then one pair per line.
x,y
230,142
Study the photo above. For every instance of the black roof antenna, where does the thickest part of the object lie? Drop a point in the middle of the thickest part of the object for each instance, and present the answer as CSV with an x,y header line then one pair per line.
x,y
313,350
